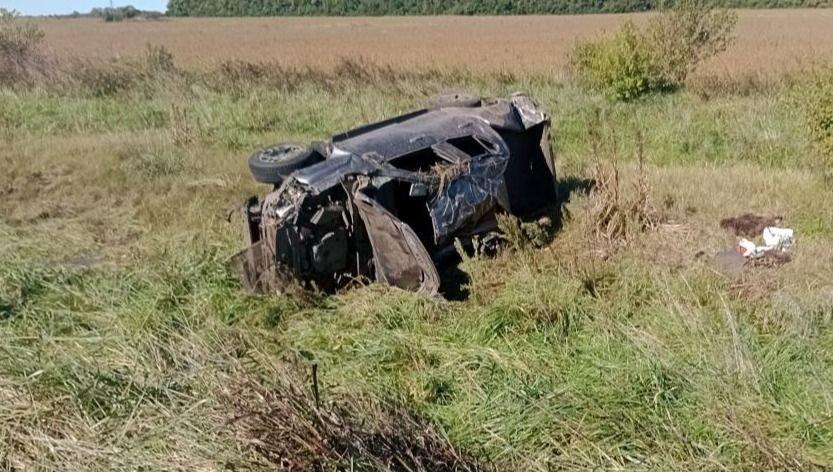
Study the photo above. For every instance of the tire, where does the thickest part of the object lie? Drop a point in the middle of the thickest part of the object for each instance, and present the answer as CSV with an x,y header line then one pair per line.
x,y
454,100
273,164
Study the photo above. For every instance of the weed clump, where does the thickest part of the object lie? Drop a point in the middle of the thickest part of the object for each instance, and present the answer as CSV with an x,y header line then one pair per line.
x,y
293,428
20,58
617,211
633,61
619,66
153,161
152,72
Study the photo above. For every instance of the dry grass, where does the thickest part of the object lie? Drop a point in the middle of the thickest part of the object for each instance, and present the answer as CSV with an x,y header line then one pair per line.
x,y
292,427
768,40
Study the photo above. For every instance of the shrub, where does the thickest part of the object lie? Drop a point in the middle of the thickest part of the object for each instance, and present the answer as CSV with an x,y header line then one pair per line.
x,y
620,66
159,59
102,80
19,42
634,62
813,98
686,36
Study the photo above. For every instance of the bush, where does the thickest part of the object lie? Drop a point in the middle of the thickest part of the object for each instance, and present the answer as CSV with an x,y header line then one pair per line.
x,y
19,42
620,66
159,59
686,36
102,80
813,97
634,62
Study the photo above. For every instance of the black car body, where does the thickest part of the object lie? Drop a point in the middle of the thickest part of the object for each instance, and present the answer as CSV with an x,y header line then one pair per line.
x,y
385,201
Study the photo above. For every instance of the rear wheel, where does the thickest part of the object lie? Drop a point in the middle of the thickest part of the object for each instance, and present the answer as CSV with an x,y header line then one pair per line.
x,y
273,164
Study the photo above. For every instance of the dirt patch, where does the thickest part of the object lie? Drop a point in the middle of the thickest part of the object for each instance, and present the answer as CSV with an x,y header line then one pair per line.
x,y
749,225
289,426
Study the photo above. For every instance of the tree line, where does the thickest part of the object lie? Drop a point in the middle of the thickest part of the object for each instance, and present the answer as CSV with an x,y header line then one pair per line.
x,y
444,7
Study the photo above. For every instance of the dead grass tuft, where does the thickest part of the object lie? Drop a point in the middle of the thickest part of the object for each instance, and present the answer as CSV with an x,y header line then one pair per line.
x,y
618,211
21,60
291,427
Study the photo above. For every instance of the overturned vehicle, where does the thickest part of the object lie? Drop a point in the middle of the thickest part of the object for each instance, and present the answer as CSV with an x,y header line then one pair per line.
x,y
386,201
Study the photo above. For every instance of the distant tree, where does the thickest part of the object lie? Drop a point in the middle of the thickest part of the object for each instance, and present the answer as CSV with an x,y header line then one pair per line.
x,y
442,7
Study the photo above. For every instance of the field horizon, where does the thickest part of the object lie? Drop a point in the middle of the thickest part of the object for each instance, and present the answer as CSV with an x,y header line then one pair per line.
x,y
794,39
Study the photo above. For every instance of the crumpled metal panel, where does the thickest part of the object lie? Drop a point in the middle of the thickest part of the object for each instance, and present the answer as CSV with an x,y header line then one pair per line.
x,y
528,111
331,172
474,191
400,258
468,198
410,133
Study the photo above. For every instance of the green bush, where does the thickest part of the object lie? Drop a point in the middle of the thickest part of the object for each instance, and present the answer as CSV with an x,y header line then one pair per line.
x,y
620,66
633,62
686,36
813,97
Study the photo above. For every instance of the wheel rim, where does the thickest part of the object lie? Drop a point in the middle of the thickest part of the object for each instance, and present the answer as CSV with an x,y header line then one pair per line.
x,y
278,153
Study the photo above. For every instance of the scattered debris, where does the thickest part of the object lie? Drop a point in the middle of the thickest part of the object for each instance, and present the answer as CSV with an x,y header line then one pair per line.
x,y
779,238
771,259
772,253
749,225
775,239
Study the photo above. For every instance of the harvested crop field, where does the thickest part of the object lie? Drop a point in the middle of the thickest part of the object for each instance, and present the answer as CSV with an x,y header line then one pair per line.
x,y
768,41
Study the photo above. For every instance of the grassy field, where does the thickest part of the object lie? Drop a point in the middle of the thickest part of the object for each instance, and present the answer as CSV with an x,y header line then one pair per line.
x,y
128,344
768,41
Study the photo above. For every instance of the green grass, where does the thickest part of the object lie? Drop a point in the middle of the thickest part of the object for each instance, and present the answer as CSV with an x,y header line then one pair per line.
x,y
126,337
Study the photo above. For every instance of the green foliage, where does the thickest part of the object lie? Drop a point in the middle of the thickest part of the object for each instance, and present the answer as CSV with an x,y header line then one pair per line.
x,y
813,98
633,62
449,7
117,13
687,35
621,66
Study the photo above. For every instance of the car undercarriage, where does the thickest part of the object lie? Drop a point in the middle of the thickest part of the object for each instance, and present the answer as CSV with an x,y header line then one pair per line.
x,y
385,202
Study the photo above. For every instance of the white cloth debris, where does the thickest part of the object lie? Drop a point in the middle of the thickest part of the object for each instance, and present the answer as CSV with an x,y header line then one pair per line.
x,y
748,248
779,239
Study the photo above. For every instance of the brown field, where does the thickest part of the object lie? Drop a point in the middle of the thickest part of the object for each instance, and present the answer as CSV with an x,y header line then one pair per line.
x,y
767,40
